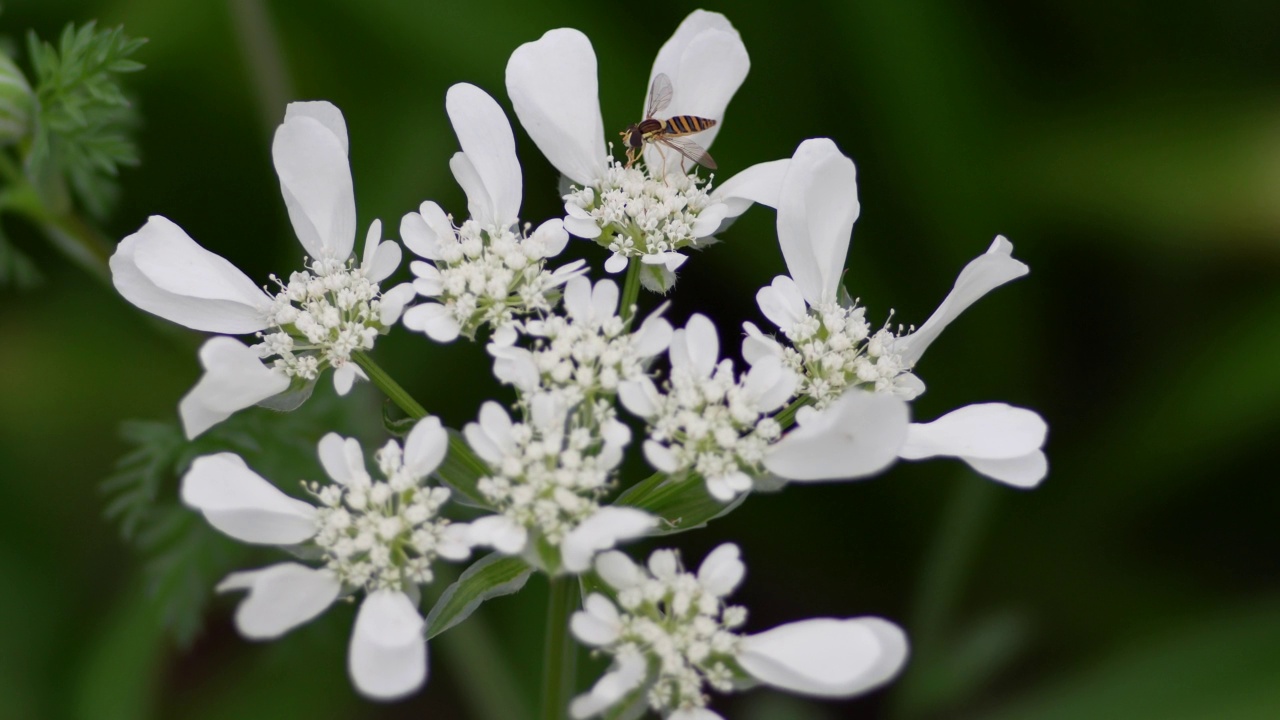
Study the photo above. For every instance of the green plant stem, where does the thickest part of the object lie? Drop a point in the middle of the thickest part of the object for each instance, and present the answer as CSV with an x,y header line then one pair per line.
x,y
560,666
940,586
388,386
630,289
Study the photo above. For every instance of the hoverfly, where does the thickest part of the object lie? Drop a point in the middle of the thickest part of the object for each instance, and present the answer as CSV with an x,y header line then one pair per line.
x,y
667,132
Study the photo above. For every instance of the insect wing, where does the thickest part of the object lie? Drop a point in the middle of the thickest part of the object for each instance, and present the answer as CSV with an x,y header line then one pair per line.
x,y
688,148
659,95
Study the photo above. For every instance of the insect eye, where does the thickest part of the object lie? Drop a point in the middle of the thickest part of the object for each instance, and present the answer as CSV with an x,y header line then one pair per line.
x,y
635,139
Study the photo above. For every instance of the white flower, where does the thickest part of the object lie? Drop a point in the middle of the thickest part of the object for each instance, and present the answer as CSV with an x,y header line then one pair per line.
x,y
547,476
1000,441
381,536
319,317
706,419
671,634
655,212
488,270
857,435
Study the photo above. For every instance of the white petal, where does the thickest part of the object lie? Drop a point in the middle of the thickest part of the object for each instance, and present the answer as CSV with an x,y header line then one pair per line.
x,y
485,136
709,220
989,431
326,113
756,345
604,299
425,447
479,205
419,235
281,597
343,459
434,320
706,62
696,347
234,379
1022,472
386,258
639,397
577,298
388,654
816,211
722,570
598,624
857,435
371,240
660,457
162,270
616,263
552,85
315,179
498,532
238,502
628,671
602,531
553,236
393,302
782,302
982,275
653,337
770,383
760,183
618,570
343,378
826,657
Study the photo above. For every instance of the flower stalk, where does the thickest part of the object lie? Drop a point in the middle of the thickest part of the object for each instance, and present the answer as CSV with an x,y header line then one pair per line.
x,y
560,664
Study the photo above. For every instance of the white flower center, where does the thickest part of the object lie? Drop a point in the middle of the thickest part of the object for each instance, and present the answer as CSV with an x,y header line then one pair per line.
x,y
493,276
713,426
552,477
640,215
321,316
687,630
834,349
380,534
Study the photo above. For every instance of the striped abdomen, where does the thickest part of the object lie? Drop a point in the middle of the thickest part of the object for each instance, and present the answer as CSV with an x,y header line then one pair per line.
x,y
686,124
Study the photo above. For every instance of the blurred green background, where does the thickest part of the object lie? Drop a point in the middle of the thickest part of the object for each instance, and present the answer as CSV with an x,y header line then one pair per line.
x,y
1132,155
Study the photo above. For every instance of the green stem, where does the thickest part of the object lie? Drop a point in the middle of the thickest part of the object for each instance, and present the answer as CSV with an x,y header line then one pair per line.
x,y
560,664
388,386
939,588
630,289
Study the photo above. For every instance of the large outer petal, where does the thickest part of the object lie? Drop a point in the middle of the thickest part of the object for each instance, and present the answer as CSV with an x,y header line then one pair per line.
x,y
992,431
281,597
825,656
162,270
234,379
388,654
983,274
706,62
315,179
485,135
237,501
553,87
817,207
856,436
760,183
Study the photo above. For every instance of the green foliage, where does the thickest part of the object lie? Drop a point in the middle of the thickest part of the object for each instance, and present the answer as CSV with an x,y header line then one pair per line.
x,y
81,135
492,576
16,267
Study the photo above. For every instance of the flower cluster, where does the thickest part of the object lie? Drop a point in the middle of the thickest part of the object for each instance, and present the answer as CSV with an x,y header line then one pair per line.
x,y
708,420
637,215
825,399
384,534
379,536
672,635
332,309
550,472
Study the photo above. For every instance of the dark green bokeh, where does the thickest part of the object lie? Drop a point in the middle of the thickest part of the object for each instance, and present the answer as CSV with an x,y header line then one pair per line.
x,y
1133,156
